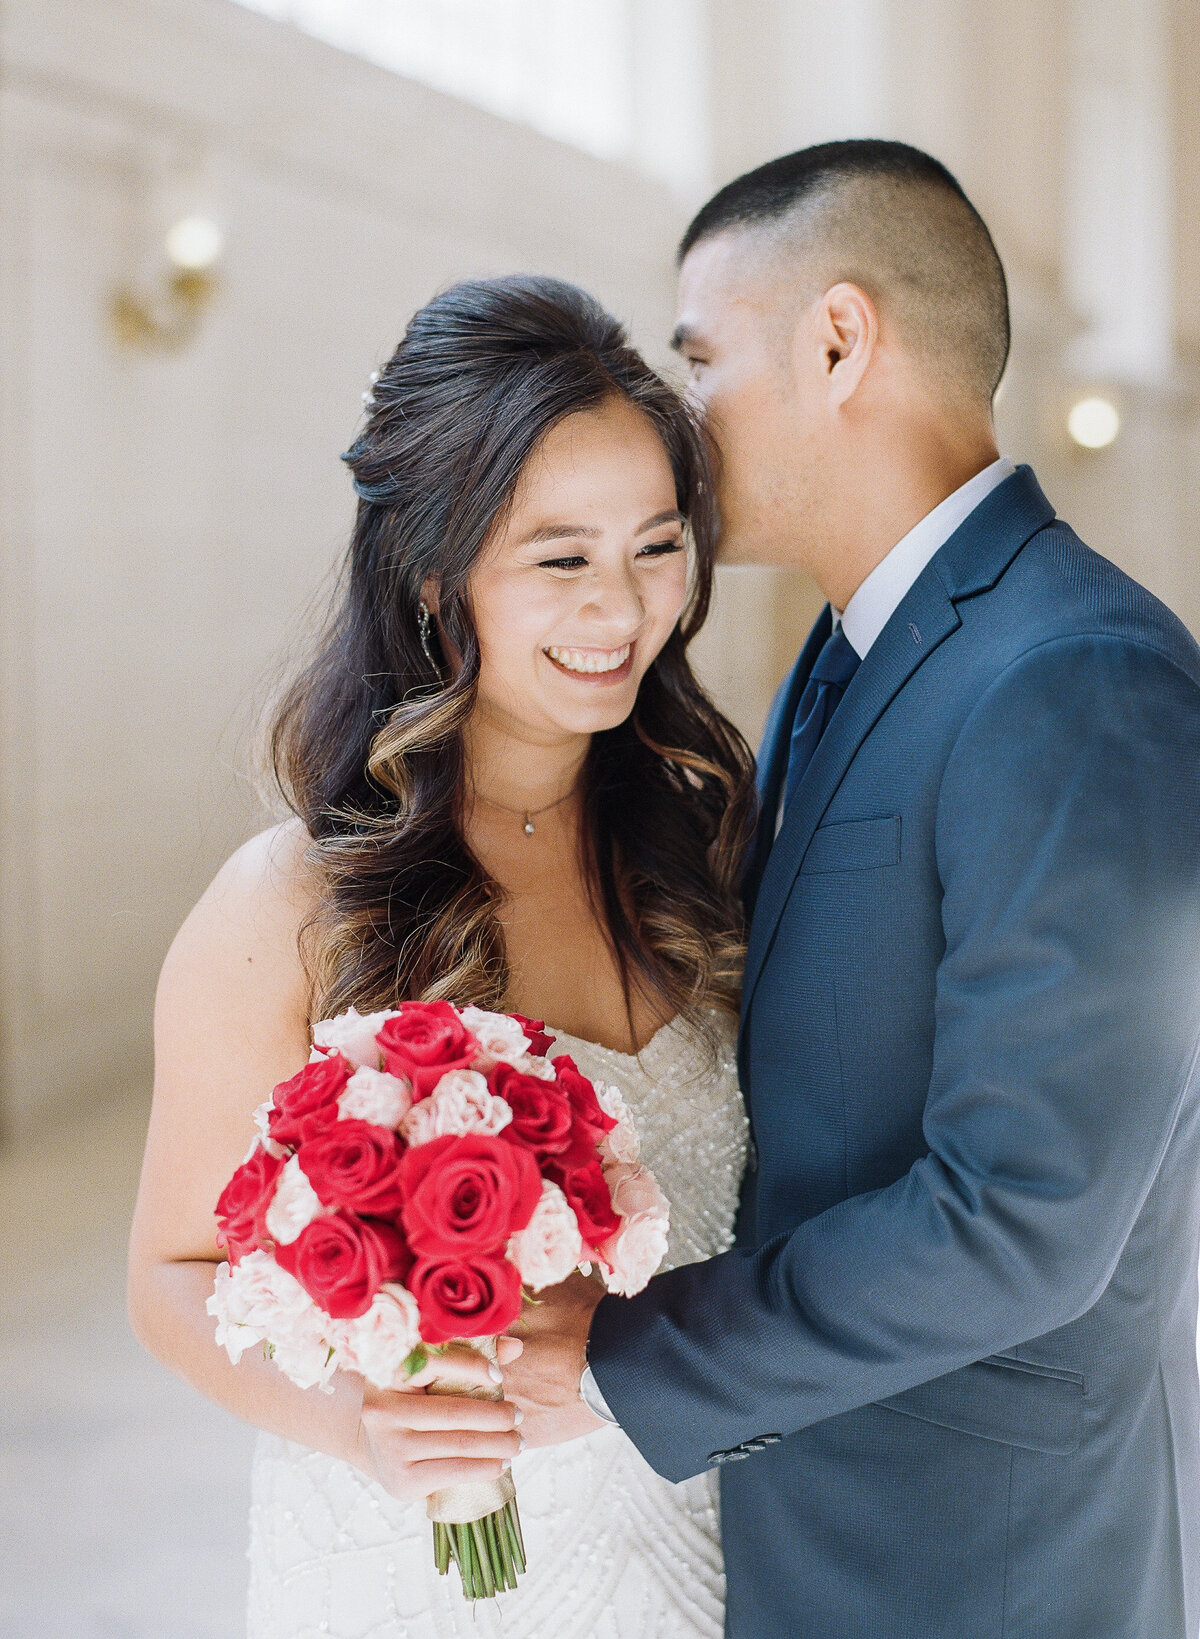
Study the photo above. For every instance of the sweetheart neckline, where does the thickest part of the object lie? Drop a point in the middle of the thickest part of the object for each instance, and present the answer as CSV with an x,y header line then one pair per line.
x,y
616,1052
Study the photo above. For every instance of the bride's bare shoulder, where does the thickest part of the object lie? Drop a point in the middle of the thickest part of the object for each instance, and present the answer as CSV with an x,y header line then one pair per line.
x,y
246,926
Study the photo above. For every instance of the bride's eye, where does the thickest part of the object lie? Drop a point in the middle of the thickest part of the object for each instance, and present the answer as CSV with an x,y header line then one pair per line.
x,y
661,549
576,562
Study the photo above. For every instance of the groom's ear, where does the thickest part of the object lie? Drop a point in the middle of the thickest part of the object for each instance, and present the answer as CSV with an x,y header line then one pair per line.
x,y
847,333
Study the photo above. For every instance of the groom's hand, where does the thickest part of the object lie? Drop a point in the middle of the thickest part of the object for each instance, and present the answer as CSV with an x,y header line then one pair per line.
x,y
544,1378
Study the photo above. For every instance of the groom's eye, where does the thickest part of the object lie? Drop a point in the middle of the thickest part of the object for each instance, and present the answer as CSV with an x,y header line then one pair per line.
x,y
660,549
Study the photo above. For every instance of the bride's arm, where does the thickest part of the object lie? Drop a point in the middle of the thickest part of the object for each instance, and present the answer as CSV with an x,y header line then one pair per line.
x,y
230,1022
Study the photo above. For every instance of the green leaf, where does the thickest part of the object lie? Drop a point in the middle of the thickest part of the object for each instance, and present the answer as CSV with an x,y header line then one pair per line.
x,y
416,1361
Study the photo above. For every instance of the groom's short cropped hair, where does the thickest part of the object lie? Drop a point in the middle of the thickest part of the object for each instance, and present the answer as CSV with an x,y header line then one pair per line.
x,y
892,220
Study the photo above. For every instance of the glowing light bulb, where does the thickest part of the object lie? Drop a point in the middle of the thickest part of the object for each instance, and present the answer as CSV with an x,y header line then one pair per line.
x,y
194,243
1093,423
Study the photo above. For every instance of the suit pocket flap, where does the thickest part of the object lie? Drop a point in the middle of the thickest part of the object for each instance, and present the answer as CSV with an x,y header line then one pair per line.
x,y
1016,1402
854,845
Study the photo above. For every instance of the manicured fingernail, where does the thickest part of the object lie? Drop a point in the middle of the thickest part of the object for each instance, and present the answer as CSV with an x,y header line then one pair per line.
x,y
496,1375
522,1445
507,1463
518,1417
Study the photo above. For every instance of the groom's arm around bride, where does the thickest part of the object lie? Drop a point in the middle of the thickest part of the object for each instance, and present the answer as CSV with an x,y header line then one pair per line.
x,y
956,1341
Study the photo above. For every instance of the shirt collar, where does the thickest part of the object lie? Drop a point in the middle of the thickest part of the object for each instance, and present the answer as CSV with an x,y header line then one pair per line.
x,y
885,588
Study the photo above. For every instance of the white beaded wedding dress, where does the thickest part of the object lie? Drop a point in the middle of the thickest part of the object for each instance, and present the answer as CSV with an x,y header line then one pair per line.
x,y
615,1551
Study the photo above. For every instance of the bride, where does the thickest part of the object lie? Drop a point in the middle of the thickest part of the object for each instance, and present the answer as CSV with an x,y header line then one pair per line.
x,y
509,790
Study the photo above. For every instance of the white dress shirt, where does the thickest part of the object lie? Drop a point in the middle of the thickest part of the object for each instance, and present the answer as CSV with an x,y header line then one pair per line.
x,y
886,587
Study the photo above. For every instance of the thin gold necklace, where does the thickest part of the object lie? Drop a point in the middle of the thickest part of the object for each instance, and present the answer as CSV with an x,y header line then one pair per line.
x,y
526,815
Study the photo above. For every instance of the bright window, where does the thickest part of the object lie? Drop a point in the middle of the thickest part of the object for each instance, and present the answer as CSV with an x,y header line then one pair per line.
x,y
562,66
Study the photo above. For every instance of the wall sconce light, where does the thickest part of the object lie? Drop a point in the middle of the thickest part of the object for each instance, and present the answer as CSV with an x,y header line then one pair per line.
x,y
168,321
1093,422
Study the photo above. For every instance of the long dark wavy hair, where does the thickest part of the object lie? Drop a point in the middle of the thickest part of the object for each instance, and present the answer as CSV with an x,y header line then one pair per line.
x,y
367,742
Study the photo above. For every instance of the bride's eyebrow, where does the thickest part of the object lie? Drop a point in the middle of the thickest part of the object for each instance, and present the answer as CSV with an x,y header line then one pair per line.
x,y
671,516
561,532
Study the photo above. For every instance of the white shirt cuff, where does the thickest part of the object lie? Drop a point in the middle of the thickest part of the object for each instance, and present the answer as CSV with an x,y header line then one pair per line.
x,y
589,1393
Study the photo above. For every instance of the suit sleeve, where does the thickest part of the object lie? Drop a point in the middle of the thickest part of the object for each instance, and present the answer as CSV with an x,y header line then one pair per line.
x,y
1067,1022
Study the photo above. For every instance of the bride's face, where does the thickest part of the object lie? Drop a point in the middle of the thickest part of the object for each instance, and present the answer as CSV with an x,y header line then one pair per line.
x,y
583,581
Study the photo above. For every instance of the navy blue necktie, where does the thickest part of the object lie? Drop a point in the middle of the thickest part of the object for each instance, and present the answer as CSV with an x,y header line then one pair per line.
x,y
827,682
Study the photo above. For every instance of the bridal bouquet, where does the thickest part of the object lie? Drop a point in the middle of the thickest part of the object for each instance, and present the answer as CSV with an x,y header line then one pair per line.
x,y
427,1169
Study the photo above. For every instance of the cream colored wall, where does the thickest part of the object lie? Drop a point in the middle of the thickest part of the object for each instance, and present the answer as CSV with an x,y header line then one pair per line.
x,y
167,519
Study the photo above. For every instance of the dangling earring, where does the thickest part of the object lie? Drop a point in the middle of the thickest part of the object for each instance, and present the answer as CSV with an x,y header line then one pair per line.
x,y
424,627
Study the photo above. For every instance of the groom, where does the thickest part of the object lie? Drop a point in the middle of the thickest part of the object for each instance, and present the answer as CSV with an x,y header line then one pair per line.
x,y
948,1374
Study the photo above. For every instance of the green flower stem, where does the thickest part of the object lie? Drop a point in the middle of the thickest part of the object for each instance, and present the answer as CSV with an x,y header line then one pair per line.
x,y
489,1552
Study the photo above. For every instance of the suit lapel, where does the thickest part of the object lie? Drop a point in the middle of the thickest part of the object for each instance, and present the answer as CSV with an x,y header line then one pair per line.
x,y
971,561
773,755
929,617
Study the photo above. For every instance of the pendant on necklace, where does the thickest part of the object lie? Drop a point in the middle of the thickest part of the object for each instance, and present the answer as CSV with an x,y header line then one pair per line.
x,y
528,826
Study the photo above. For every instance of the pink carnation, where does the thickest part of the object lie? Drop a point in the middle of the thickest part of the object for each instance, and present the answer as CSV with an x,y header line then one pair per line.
x,y
460,1103
378,1343
621,1145
374,1096
638,1248
550,1245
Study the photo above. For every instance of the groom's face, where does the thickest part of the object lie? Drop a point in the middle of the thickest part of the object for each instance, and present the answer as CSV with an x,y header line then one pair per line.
x,y
736,327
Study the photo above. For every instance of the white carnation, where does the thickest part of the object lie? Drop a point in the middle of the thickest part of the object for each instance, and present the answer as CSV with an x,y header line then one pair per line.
x,y
378,1343
305,1353
373,1095
550,1245
256,1301
294,1206
353,1035
501,1039
252,1300
459,1103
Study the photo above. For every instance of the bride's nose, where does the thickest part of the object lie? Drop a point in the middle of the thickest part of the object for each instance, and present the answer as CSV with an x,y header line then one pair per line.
x,y
616,602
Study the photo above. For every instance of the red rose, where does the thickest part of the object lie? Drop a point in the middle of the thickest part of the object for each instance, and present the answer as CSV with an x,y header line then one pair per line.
x,y
586,1188
354,1164
341,1261
423,1041
542,1117
466,1194
540,1040
473,1296
307,1104
243,1203
582,1096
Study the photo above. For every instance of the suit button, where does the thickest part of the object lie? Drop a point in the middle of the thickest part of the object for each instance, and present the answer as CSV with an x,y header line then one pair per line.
x,y
769,1439
717,1456
738,1454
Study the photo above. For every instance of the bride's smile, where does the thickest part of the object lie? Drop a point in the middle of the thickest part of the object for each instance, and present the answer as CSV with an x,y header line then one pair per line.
x,y
598,665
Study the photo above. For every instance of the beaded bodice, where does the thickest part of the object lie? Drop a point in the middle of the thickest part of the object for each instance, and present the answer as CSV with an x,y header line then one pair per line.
x,y
615,1551
689,1116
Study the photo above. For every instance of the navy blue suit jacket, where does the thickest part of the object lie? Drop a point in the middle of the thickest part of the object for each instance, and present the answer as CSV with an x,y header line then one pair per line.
x,y
955,1344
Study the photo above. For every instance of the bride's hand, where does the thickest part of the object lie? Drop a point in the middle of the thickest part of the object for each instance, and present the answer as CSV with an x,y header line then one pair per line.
x,y
413,1443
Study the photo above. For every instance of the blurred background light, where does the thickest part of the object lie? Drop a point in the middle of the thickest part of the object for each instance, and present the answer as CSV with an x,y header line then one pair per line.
x,y
1093,422
194,242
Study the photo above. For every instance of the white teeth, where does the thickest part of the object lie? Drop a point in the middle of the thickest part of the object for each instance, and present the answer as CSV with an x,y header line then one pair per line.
x,y
590,660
